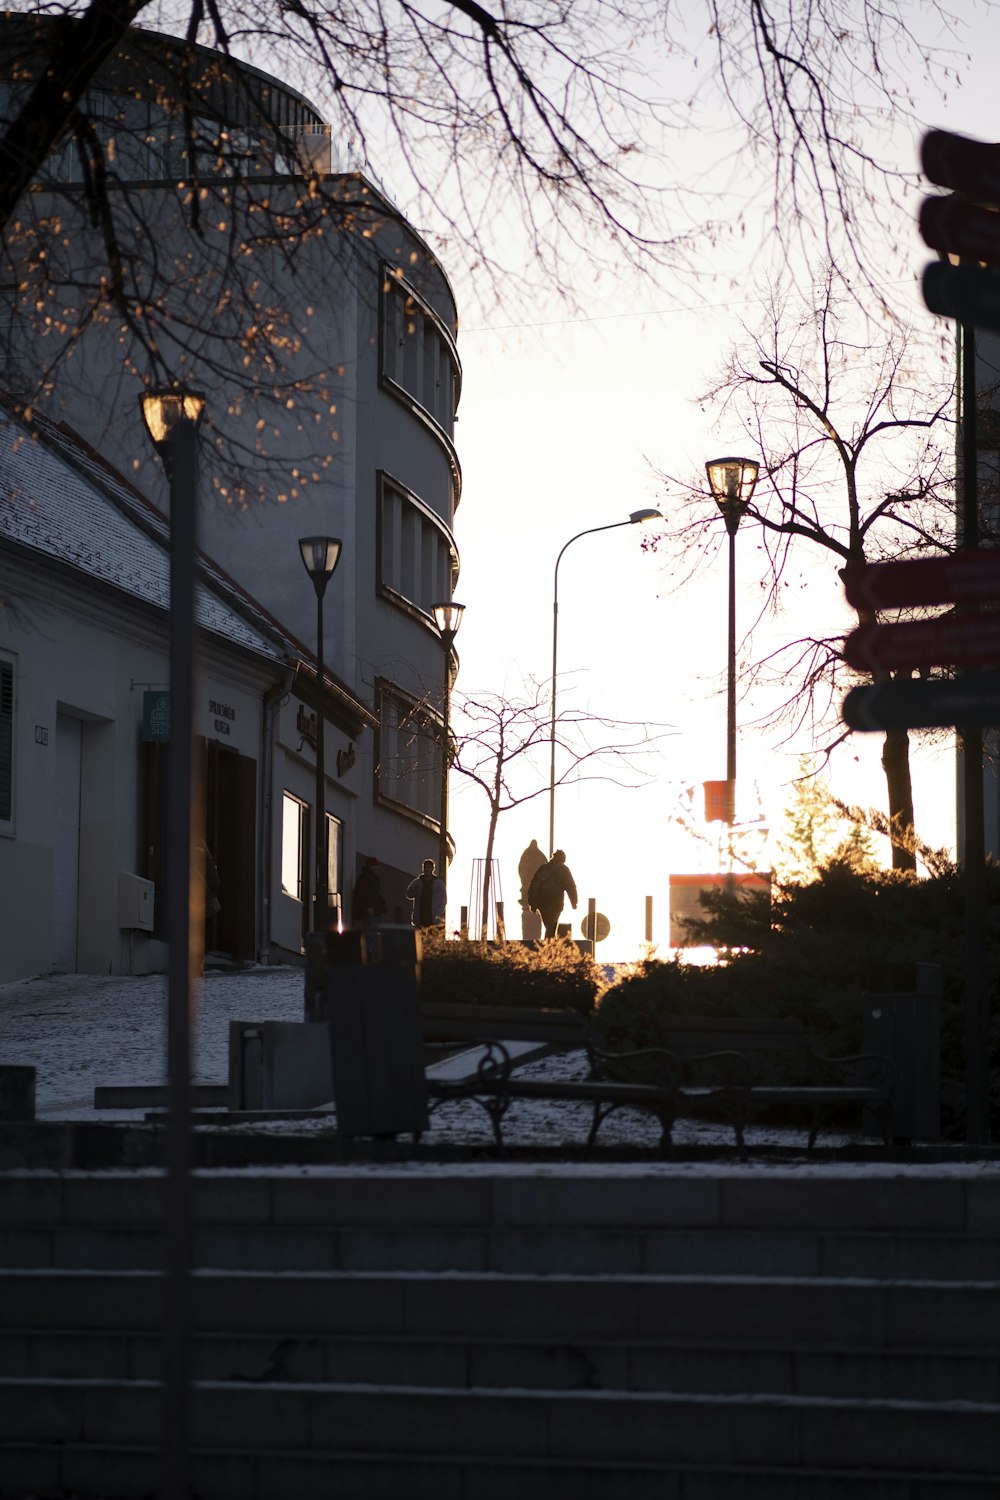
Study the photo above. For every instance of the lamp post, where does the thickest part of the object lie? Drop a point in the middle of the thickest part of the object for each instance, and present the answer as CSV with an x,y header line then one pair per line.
x,y
448,618
633,520
732,482
320,555
172,418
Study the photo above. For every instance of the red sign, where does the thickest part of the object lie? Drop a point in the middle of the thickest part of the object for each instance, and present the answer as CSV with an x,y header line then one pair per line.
x,y
970,577
954,640
719,801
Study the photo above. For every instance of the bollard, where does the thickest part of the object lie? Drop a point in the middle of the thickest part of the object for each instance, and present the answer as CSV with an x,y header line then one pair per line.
x,y
17,1092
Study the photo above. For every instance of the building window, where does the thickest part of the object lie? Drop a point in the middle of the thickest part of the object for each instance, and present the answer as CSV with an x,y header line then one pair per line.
x,y
408,758
294,847
419,356
6,745
335,865
418,559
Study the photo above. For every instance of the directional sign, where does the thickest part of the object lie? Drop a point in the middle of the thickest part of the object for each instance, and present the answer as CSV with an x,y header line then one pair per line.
x,y
971,577
958,227
957,161
966,293
954,640
965,225
940,704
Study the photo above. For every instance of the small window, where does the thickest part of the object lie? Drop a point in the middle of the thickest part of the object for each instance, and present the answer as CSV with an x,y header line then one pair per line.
x,y
409,754
418,560
294,846
6,745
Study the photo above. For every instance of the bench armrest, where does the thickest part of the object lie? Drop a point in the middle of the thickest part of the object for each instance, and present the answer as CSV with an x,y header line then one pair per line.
x,y
877,1071
656,1065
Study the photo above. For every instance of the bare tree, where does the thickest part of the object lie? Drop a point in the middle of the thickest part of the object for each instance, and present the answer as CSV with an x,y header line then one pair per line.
x,y
501,745
858,466
560,114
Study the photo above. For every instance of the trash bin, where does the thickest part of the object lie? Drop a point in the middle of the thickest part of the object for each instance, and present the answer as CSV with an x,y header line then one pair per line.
x,y
376,1039
905,1025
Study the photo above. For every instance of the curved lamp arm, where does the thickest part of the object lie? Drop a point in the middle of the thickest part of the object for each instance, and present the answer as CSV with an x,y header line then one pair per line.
x,y
636,516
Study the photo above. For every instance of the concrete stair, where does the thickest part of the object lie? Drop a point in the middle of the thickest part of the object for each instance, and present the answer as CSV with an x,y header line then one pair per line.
x,y
693,1334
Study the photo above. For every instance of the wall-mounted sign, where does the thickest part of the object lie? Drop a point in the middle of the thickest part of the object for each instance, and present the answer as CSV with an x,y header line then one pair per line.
x,y
345,759
223,716
156,716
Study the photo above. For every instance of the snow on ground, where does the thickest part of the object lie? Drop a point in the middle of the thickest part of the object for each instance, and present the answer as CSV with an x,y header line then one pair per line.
x,y
82,1030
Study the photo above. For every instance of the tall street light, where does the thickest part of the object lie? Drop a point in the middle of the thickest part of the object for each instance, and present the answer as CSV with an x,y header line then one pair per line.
x,y
633,520
320,555
732,482
448,618
172,418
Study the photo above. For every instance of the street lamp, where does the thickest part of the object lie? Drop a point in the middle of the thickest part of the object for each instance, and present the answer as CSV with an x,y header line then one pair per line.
x,y
633,520
448,618
320,555
172,418
732,483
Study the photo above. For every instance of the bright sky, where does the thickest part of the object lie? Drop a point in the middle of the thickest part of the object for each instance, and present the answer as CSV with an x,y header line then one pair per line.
x,y
561,425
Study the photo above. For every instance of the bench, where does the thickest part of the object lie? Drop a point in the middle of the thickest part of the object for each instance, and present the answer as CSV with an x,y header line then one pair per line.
x,y
864,1080
706,1067
489,1082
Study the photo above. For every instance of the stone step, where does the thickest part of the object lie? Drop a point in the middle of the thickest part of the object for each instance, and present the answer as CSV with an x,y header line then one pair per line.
x,y
348,1220
583,1251
777,1312
88,1471
575,1428
772,1200
692,1366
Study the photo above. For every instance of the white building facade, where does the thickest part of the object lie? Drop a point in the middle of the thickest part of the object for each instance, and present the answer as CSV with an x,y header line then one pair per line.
x,y
322,333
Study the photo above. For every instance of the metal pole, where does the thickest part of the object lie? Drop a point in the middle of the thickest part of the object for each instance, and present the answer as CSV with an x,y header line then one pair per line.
x,y
611,526
446,720
321,902
731,693
552,728
181,463
977,1079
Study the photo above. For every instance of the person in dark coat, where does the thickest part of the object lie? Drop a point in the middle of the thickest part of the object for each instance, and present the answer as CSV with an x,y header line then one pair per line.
x,y
531,860
368,902
429,897
550,883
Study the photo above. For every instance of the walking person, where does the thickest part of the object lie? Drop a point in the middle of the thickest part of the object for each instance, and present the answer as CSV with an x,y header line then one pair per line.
x,y
531,860
429,897
550,883
368,903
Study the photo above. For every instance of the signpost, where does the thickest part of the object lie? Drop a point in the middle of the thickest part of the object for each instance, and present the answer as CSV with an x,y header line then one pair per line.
x,y
937,704
952,640
958,229
967,577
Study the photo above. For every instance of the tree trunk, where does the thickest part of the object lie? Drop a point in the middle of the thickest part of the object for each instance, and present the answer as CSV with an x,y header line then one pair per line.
x,y
896,764
488,871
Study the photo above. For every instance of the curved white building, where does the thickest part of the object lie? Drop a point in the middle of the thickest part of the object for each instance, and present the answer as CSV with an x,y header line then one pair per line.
x,y
193,231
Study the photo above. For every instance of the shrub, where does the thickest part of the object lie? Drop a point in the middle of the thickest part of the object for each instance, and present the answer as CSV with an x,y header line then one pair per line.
x,y
828,940
555,974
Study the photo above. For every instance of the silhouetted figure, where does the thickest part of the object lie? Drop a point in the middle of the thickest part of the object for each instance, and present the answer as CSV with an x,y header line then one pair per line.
x,y
531,860
549,884
368,903
429,897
